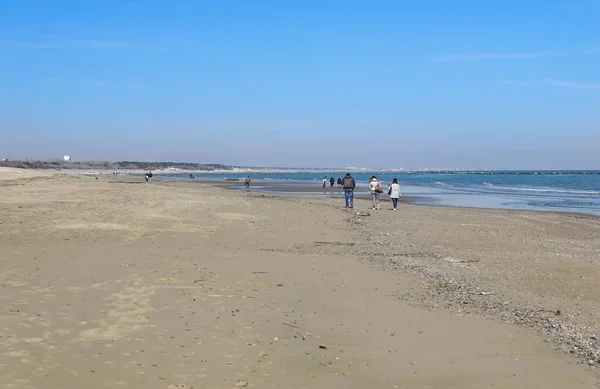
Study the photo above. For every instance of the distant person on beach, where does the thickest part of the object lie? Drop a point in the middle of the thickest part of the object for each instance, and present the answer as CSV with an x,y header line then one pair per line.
x,y
339,182
349,184
331,182
324,181
148,176
247,182
394,192
376,190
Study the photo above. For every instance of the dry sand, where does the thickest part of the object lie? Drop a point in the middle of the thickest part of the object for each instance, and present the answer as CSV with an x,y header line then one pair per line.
x,y
8,173
110,284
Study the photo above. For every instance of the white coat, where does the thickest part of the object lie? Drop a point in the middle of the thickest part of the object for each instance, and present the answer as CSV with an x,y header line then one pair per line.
x,y
395,191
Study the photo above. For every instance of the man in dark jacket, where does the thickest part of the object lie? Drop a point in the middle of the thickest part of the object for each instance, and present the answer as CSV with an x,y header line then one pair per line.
x,y
349,184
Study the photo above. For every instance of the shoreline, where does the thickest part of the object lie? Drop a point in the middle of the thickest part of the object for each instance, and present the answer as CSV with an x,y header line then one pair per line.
x,y
429,196
237,186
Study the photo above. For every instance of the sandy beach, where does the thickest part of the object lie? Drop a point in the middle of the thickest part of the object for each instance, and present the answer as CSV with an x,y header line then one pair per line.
x,y
109,282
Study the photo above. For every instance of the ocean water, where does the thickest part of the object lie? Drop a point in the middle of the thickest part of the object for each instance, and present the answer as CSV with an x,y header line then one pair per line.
x,y
567,191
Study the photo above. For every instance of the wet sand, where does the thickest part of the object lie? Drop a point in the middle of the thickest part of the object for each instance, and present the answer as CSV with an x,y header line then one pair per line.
x,y
300,189
106,283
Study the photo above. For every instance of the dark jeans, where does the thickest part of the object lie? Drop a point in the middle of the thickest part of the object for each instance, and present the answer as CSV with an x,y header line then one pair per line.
x,y
349,193
395,202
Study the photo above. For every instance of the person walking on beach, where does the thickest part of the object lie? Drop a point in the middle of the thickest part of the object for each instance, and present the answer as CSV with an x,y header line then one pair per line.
x,y
339,182
148,176
376,190
349,184
324,181
247,182
394,192
331,182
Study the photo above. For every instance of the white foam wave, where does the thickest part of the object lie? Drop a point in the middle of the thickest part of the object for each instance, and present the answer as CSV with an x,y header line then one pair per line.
x,y
542,190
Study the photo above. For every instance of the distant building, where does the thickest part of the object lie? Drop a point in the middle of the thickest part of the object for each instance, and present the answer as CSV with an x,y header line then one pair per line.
x,y
67,158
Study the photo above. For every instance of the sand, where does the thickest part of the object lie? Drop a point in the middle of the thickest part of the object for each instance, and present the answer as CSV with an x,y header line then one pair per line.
x,y
7,173
108,284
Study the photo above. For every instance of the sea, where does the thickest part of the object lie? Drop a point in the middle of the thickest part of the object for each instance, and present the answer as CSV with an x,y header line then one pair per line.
x,y
564,191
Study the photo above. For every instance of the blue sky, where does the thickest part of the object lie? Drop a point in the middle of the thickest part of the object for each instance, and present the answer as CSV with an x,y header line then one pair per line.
x,y
503,84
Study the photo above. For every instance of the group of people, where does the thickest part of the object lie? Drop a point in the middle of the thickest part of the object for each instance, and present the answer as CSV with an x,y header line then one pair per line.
x,y
376,189
332,182
348,184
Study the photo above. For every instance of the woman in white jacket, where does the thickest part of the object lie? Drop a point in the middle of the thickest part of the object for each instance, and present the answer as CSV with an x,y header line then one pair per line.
x,y
394,192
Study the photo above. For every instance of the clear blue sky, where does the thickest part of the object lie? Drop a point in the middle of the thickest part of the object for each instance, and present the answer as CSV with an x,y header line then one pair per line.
x,y
484,84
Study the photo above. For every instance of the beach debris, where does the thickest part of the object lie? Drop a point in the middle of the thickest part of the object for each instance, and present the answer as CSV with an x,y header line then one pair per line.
x,y
454,260
337,243
363,214
232,296
323,347
259,285
331,366
241,384
290,325
557,312
480,293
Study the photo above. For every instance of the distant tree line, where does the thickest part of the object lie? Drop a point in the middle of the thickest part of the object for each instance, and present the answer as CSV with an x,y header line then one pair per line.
x,y
105,165
166,165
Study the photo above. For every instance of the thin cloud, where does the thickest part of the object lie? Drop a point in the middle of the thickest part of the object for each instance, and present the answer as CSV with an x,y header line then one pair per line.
x,y
67,45
572,85
593,50
516,82
7,45
113,45
494,56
